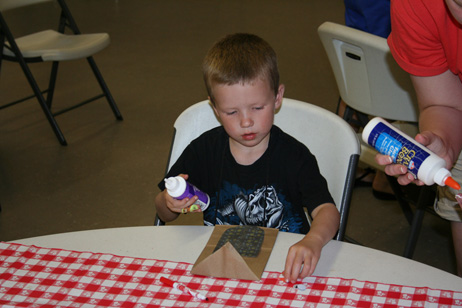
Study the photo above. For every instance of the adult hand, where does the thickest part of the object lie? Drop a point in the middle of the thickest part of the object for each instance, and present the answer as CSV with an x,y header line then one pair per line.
x,y
428,139
459,199
436,144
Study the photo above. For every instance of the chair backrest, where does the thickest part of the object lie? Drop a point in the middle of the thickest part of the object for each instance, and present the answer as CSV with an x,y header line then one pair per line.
x,y
12,4
368,78
189,125
328,137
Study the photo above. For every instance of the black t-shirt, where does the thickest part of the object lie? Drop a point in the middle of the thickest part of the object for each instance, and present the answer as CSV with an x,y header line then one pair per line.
x,y
270,193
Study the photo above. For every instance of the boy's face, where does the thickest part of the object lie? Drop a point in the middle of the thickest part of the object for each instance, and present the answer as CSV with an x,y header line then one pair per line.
x,y
247,113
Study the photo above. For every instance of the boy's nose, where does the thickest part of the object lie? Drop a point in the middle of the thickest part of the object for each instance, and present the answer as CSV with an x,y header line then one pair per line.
x,y
246,121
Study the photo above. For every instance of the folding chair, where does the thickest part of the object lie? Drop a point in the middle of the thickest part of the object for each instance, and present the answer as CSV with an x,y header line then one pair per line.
x,y
371,82
328,137
52,46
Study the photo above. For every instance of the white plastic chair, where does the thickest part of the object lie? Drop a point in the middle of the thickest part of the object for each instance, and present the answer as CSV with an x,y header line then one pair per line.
x,y
328,137
370,81
52,46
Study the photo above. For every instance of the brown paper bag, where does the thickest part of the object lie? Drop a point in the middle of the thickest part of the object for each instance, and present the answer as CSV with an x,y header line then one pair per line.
x,y
226,262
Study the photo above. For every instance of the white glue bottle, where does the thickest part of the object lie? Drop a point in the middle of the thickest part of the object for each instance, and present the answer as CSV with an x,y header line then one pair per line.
x,y
179,188
404,150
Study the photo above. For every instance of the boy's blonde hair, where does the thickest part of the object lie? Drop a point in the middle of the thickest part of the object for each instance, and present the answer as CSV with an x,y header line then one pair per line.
x,y
240,58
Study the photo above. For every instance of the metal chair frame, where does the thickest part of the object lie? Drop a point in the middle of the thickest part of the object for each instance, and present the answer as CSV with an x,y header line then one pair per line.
x,y
66,21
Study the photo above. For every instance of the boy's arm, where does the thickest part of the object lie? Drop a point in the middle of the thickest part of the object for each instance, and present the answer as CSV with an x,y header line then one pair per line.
x,y
307,252
164,213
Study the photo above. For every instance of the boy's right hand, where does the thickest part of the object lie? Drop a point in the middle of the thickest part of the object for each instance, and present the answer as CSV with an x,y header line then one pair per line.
x,y
175,205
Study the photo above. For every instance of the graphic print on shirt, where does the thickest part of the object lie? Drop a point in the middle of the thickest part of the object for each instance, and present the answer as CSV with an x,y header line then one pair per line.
x,y
259,207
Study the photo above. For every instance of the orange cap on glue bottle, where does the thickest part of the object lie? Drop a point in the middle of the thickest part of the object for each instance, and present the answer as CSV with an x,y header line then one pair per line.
x,y
449,181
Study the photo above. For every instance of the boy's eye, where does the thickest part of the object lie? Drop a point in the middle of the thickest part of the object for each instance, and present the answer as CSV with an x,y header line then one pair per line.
x,y
230,113
258,108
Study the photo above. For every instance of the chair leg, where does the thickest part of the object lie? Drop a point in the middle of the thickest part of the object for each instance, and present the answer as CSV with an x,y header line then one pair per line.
x,y
158,221
52,83
6,34
405,207
349,115
105,88
426,198
414,233
42,102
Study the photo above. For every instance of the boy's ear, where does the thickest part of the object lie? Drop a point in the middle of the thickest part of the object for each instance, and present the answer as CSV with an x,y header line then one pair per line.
x,y
213,107
279,96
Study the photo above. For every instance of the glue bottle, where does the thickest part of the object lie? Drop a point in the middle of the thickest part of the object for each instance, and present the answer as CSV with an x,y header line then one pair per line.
x,y
420,161
179,188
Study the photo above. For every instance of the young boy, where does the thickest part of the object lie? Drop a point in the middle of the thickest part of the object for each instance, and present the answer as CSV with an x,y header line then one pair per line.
x,y
254,173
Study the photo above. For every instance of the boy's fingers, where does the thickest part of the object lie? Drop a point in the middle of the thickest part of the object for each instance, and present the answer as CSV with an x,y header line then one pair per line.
x,y
295,272
186,208
308,267
287,269
292,269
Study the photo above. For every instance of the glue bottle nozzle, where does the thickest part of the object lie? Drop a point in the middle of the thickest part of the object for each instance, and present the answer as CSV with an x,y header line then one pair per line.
x,y
449,181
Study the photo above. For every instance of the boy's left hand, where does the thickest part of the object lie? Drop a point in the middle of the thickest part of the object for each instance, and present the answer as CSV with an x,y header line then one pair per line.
x,y
304,255
302,259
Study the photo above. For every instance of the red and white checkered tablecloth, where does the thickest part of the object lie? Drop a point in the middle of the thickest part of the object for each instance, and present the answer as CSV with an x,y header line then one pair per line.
x,y
42,277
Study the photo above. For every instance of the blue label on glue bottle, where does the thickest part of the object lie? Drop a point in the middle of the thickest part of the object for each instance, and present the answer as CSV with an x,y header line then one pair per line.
x,y
386,141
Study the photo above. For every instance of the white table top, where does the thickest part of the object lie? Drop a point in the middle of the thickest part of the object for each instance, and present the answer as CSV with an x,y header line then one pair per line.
x,y
185,243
